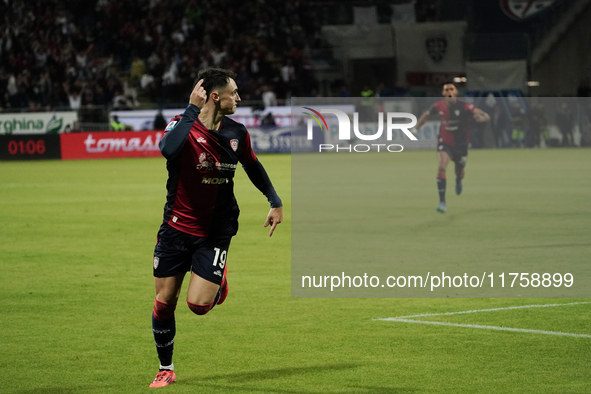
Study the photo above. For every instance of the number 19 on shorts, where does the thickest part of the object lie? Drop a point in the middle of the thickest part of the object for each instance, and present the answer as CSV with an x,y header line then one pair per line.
x,y
220,257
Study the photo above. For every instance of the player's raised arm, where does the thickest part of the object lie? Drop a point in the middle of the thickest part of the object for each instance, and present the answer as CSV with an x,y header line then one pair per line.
x,y
480,115
422,120
178,130
198,95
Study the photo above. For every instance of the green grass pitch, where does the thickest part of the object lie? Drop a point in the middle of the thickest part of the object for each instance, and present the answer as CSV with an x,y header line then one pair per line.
x,y
77,290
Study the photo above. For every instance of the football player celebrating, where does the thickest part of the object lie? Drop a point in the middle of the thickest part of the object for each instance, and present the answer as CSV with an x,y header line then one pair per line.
x,y
454,135
202,147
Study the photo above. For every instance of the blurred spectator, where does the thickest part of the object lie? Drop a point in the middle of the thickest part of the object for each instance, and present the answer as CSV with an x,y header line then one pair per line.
x,y
344,91
367,92
518,134
501,126
426,10
159,121
365,108
269,97
122,101
565,122
584,88
218,56
383,91
536,121
116,125
586,123
74,97
268,120
109,42
137,70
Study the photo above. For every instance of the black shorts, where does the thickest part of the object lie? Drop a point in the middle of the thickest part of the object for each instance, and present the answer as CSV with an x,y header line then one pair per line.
x,y
458,155
178,252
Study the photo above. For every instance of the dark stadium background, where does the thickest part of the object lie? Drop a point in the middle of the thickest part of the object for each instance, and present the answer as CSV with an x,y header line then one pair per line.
x,y
95,57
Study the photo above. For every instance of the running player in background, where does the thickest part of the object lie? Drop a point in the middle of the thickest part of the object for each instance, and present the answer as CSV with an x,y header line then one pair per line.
x,y
454,135
202,147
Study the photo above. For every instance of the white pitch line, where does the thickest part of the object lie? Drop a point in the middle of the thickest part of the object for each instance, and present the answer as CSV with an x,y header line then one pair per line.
x,y
489,310
406,319
438,323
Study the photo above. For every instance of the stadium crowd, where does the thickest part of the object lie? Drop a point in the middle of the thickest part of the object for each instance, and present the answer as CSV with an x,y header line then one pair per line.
x,y
64,54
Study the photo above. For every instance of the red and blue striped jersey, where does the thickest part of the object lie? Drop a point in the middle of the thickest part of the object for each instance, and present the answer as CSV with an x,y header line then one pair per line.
x,y
455,122
201,166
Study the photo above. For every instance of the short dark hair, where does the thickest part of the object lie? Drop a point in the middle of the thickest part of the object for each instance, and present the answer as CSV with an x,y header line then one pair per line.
x,y
449,82
214,78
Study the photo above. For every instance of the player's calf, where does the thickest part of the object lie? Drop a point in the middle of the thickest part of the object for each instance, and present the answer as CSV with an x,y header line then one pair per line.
x,y
459,177
441,186
164,329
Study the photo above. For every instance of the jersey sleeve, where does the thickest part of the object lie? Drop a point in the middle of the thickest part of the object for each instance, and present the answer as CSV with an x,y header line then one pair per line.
x,y
259,177
247,155
257,174
469,107
433,109
177,132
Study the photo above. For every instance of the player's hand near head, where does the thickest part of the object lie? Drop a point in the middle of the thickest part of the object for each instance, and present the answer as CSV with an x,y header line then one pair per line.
x,y
198,95
274,217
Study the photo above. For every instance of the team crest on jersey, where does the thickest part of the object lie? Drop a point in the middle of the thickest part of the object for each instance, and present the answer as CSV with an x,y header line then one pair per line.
x,y
170,125
457,112
201,140
234,144
156,262
206,162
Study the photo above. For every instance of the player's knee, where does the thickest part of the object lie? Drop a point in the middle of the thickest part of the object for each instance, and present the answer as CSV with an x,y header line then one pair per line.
x,y
163,311
200,309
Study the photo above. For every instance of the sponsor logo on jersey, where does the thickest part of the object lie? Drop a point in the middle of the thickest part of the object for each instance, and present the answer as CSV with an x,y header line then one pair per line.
x,y
206,162
215,181
226,166
457,112
170,125
234,144
202,140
